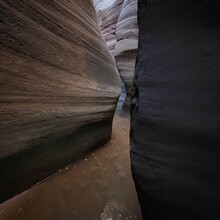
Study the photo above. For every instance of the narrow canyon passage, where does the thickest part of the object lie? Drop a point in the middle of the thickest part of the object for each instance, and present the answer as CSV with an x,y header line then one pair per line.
x,y
62,66
97,187
60,86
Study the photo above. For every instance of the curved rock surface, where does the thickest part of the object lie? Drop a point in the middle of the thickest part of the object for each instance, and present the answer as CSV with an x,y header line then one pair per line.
x,y
175,133
125,51
118,23
108,12
59,88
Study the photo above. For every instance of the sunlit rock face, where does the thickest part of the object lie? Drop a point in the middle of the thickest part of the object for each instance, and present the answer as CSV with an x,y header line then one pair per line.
x,y
175,132
59,88
126,47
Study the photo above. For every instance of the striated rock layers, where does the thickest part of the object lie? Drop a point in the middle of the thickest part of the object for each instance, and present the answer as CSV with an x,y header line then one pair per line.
x,y
59,88
108,12
118,23
175,133
126,47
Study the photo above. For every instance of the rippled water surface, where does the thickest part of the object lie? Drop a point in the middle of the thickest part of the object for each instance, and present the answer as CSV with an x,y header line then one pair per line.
x,y
98,187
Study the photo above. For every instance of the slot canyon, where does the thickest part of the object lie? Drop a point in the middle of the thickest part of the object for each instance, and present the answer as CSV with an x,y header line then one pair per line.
x,y
109,110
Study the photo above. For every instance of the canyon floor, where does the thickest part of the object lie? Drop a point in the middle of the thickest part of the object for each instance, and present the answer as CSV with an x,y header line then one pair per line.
x,y
97,187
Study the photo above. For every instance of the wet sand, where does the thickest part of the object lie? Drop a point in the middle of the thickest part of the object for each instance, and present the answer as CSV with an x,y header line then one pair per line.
x,y
97,187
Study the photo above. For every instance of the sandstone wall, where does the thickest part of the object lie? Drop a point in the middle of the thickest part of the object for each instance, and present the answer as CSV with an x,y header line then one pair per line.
x,y
118,23
175,133
108,12
125,50
59,88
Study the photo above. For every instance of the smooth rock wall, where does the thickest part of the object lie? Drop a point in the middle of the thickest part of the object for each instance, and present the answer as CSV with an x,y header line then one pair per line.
x,y
175,132
125,51
108,12
118,24
126,64
59,88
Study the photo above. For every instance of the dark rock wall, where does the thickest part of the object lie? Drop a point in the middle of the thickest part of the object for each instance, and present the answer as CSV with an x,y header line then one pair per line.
x,y
58,88
175,126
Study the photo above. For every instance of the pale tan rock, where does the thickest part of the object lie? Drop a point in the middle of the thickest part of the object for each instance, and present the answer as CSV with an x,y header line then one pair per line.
x,y
118,24
126,47
126,64
108,13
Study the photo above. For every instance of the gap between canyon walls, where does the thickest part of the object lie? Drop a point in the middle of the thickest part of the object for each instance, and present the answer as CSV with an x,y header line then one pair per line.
x,y
118,25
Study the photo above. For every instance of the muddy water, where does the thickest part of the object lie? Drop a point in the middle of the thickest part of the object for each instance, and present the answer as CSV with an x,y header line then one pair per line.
x,y
98,187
